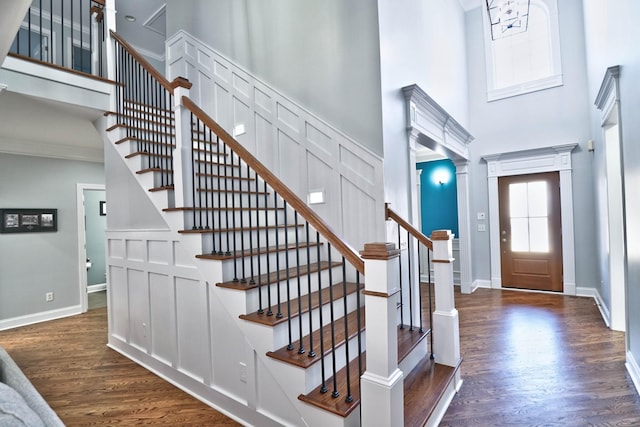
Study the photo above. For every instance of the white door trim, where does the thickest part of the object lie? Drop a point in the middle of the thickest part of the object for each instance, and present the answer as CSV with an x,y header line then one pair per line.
x,y
82,249
547,159
608,102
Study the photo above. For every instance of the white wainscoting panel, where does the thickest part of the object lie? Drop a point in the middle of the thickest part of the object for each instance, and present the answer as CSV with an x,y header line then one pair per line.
x,y
300,148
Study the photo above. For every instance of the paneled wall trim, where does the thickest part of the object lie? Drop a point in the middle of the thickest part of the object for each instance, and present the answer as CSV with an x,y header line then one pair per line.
x,y
546,159
304,151
430,125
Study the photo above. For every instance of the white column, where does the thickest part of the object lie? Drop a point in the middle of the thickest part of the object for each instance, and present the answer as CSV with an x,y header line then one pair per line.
x,y
110,52
182,164
382,393
446,329
464,225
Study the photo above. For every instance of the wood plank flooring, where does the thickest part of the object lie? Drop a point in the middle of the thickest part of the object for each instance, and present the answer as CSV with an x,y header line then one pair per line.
x,y
88,384
539,360
529,360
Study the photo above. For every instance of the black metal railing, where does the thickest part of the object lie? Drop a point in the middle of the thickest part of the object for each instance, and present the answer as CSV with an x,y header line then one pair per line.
x,y
65,33
304,274
415,296
144,107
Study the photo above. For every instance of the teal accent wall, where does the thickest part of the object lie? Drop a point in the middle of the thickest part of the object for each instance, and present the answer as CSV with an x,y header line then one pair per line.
x,y
439,196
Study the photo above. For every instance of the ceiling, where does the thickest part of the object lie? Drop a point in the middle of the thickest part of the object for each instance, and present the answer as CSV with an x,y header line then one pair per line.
x,y
148,32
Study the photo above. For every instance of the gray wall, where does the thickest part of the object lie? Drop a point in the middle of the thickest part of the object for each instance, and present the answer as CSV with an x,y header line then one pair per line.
x,y
414,51
611,38
322,54
33,264
548,117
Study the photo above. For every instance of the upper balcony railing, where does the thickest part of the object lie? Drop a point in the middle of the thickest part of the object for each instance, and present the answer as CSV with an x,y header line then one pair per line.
x,y
66,34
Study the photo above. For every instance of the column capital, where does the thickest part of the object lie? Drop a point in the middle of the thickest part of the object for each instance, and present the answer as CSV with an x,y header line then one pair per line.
x,y
379,251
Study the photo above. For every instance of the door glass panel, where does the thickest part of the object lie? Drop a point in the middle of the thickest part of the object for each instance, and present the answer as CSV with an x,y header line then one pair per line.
x,y
518,200
537,194
519,235
528,212
539,235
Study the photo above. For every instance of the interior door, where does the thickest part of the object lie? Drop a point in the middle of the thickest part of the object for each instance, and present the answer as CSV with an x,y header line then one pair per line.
x,y
530,231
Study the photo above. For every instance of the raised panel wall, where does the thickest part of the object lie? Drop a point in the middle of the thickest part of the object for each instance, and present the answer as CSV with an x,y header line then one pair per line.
x,y
300,148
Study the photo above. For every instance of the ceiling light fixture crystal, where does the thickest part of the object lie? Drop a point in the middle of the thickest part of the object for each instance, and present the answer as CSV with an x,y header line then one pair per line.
x,y
507,17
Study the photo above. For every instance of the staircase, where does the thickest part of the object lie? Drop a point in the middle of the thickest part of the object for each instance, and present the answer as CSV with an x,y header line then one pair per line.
x,y
294,287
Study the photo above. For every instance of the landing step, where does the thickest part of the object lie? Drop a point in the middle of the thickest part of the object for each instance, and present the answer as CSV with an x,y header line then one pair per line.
x,y
423,389
148,170
163,188
339,405
409,339
256,251
306,359
275,277
271,320
147,141
143,153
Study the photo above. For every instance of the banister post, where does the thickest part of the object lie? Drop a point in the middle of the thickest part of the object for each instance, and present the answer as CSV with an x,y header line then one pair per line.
x,y
109,17
446,330
182,164
382,393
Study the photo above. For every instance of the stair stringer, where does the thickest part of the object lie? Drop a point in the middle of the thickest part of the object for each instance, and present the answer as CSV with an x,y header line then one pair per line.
x,y
265,369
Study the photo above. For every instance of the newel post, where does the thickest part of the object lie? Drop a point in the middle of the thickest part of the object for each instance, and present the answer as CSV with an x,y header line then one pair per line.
x,y
382,393
182,164
446,330
109,16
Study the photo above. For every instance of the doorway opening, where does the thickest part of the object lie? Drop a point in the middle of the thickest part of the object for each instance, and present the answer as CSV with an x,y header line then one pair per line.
x,y
91,200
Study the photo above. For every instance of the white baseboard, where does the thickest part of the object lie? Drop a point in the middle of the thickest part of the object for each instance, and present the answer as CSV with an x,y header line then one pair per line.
x,y
486,284
96,288
593,293
634,370
30,319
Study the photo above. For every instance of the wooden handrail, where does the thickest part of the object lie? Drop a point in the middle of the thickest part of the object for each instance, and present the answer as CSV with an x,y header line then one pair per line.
x,y
390,214
177,82
289,196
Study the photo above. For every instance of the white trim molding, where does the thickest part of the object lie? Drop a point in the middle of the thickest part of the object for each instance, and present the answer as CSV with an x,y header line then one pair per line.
x,y
634,370
44,316
428,124
538,160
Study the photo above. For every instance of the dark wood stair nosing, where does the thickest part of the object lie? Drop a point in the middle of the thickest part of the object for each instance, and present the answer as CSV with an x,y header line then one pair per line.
x,y
257,251
293,357
267,320
237,229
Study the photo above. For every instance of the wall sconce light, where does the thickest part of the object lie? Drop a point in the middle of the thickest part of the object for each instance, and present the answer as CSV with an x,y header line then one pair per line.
x,y
591,146
441,176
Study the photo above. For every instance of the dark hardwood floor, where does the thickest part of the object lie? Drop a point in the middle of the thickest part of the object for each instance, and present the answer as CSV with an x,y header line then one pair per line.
x,y
540,360
88,384
529,360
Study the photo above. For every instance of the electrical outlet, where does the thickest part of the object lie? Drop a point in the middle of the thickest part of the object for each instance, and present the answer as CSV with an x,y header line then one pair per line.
x,y
48,297
243,372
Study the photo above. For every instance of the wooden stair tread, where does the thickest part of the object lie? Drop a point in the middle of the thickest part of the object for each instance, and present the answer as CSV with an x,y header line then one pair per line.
x,y
235,191
304,360
163,188
144,129
256,251
266,279
423,389
271,320
146,141
149,170
236,209
128,103
143,153
339,405
212,175
227,230
408,340
141,119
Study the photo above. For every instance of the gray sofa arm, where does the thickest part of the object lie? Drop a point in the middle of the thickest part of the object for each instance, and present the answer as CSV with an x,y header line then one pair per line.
x,y
12,375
